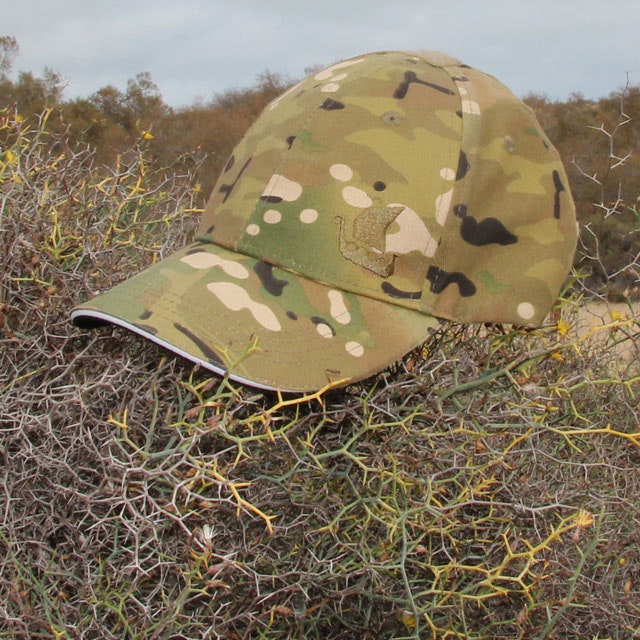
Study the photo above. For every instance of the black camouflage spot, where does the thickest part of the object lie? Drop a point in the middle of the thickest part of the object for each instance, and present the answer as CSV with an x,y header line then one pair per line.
x,y
199,244
463,166
206,350
290,141
394,292
559,187
292,315
460,210
272,284
230,162
487,231
146,328
379,186
331,105
271,199
410,77
318,320
441,279
228,188
146,314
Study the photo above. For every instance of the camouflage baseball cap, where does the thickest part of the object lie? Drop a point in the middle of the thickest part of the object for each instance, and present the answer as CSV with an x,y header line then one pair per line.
x,y
367,203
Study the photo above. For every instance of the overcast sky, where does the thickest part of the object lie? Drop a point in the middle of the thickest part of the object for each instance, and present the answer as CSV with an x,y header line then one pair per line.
x,y
195,49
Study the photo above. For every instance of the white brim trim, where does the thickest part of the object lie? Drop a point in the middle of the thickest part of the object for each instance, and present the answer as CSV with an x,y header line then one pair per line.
x,y
108,319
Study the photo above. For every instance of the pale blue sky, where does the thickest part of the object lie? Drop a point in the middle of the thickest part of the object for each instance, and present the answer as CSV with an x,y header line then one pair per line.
x,y
197,48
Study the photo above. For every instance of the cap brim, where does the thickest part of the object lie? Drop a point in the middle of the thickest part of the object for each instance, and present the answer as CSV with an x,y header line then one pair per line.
x,y
264,326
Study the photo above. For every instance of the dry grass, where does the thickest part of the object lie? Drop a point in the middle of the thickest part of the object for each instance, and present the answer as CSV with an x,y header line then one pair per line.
x,y
486,487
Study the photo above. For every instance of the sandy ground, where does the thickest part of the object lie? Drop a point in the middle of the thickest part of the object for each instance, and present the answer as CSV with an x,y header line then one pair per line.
x,y
596,318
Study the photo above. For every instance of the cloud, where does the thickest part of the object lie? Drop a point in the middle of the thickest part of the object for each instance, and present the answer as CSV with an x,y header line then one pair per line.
x,y
199,47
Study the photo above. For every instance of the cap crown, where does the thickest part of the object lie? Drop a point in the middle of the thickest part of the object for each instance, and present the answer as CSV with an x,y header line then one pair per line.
x,y
407,178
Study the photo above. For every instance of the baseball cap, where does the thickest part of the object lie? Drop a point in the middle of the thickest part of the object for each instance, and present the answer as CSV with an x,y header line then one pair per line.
x,y
367,204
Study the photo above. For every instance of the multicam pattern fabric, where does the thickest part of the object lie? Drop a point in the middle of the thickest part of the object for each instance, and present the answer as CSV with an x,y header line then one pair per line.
x,y
370,200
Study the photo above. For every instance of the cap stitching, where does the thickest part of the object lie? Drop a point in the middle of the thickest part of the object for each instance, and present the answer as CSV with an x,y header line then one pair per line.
x,y
460,193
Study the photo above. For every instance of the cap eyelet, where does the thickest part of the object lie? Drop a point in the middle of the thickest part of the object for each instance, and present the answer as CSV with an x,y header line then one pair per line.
x,y
392,117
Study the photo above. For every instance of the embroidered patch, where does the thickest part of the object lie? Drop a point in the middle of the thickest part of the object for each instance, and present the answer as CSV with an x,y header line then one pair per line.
x,y
366,245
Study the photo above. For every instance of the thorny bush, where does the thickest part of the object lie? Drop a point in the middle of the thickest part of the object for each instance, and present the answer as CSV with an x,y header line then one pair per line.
x,y
485,487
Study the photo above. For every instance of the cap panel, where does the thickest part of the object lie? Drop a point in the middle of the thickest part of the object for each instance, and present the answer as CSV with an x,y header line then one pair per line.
x,y
510,231
348,195
250,168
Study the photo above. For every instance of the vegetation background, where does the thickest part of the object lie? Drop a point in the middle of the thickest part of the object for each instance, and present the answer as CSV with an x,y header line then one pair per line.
x,y
485,487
